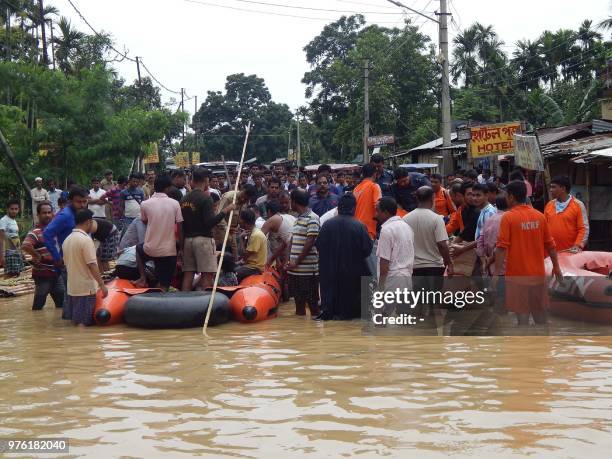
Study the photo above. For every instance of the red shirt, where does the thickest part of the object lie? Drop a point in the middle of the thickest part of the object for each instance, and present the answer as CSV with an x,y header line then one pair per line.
x,y
45,268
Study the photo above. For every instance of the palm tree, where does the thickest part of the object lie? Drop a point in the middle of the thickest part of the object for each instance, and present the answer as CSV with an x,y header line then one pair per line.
x,y
40,15
606,24
529,63
551,56
67,44
464,56
587,35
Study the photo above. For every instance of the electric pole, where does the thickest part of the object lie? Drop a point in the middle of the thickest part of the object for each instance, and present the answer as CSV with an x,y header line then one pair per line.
x,y
137,160
138,70
366,111
447,161
195,132
298,154
183,110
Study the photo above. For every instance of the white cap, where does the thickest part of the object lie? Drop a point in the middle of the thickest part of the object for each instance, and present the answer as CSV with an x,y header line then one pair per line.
x,y
37,179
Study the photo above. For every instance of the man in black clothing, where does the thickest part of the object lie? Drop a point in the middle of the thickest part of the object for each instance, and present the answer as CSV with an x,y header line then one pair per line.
x,y
405,187
344,245
384,178
199,248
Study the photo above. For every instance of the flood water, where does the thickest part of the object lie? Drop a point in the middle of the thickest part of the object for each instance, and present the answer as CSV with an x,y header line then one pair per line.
x,y
291,387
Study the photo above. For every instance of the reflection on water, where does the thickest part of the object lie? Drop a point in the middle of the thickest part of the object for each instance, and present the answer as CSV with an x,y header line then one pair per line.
x,y
292,387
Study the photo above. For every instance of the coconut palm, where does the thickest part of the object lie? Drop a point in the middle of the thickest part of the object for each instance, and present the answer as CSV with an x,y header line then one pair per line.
x,y
588,36
67,44
464,56
40,15
529,63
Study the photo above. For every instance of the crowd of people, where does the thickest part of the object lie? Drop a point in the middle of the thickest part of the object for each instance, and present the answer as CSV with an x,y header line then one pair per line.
x,y
323,233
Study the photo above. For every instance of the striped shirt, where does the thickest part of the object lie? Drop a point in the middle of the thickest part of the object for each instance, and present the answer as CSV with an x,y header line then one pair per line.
x,y
306,225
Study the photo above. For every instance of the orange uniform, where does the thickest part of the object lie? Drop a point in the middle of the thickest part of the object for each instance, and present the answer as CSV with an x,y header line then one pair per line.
x,y
456,221
567,227
443,205
524,233
367,194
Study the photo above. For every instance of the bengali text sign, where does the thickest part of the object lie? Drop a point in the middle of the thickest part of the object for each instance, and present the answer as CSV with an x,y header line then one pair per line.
x,y
493,139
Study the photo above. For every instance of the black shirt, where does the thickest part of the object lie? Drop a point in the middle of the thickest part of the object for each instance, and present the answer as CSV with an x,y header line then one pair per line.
x,y
198,215
470,216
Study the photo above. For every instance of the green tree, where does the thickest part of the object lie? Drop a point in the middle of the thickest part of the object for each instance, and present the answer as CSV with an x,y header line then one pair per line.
x,y
220,121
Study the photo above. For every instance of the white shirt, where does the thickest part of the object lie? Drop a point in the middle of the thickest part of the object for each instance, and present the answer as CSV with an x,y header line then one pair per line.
x,y
396,244
428,229
97,209
331,213
259,223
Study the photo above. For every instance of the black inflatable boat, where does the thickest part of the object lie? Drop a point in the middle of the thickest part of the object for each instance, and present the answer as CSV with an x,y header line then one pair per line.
x,y
175,310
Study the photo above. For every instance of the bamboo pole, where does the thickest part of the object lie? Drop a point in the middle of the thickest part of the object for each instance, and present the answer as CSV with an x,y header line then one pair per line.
x,y
227,176
227,231
15,165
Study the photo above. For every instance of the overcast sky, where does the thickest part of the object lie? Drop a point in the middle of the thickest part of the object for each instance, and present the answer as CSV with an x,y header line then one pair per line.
x,y
196,45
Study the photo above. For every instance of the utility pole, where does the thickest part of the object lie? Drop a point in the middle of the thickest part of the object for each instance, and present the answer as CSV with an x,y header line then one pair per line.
x,y
138,70
289,141
183,110
195,132
43,33
298,155
137,158
366,110
447,161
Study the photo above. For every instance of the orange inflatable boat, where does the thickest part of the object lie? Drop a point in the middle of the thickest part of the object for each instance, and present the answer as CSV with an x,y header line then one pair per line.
x,y
586,291
109,310
256,298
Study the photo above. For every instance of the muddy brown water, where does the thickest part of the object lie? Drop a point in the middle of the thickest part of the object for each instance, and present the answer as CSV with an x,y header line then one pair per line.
x,y
291,387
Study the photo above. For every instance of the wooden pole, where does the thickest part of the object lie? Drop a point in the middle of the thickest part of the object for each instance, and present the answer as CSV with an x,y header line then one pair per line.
x,y
227,231
15,165
227,176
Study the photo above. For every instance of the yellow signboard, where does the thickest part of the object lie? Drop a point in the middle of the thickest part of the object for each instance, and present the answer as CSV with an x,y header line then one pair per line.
x,y
492,139
195,157
150,153
181,160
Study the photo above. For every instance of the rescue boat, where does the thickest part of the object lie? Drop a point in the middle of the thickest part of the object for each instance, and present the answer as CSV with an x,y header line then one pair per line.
x,y
256,298
586,291
110,310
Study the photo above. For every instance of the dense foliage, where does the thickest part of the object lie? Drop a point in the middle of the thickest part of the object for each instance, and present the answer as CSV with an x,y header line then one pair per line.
x,y
67,114
79,118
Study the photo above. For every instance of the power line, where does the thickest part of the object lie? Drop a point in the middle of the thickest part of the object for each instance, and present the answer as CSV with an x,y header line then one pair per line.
x,y
155,79
559,45
269,13
124,54
366,4
281,5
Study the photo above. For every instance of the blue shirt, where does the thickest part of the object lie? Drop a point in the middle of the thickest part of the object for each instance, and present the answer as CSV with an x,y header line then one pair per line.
x,y
321,205
58,230
384,182
488,211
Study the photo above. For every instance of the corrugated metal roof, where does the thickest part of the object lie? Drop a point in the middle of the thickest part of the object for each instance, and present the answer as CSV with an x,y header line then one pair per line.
x,y
553,135
433,144
599,155
600,126
577,147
